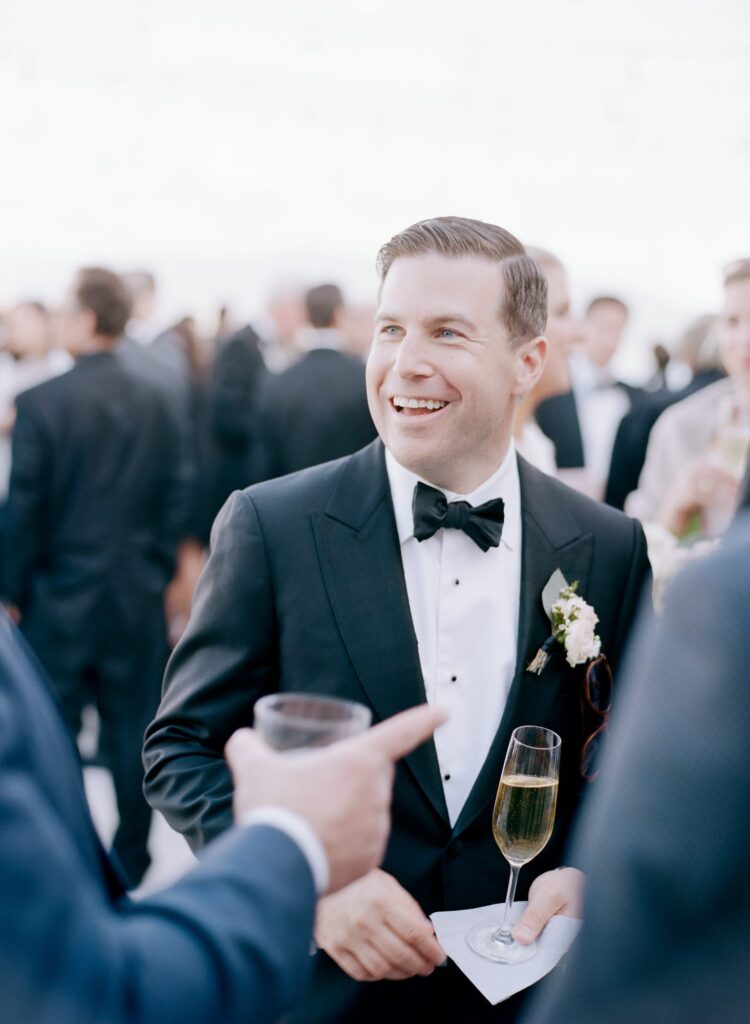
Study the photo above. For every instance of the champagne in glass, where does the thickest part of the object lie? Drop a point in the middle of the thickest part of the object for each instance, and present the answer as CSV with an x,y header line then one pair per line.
x,y
522,821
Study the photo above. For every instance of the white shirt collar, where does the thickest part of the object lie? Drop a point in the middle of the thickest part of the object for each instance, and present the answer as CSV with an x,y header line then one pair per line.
x,y
503,483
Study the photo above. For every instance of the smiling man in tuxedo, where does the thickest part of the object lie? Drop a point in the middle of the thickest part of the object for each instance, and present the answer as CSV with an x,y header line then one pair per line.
x,y
413,569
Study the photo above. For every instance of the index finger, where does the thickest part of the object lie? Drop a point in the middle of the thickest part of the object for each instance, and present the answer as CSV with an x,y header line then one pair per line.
x,y
399,735
407,920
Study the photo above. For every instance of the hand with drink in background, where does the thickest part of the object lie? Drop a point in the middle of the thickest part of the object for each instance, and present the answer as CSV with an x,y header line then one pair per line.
x,y
703,498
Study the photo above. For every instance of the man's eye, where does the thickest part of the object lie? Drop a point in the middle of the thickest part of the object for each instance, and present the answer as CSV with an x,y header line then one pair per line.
x,y
446,332
390,329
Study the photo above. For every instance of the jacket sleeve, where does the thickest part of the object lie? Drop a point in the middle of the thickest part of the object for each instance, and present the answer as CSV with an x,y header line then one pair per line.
x,y
229,942
226,659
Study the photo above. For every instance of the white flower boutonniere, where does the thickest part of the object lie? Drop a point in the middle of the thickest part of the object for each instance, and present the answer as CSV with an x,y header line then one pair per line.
x,y
573,625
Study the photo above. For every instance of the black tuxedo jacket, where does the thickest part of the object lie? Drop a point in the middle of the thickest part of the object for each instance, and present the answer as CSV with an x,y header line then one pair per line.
x,y
96,500
311,413
304,590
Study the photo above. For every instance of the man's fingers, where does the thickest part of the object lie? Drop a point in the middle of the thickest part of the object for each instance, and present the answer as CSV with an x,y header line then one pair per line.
x,y
552,893
244,743
402,957
399,735
413,928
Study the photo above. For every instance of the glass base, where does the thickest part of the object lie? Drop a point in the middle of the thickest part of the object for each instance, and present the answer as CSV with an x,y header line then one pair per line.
x,y
481,938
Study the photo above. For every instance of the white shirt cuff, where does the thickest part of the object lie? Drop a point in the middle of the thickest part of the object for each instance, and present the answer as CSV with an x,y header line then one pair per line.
x,y
300,832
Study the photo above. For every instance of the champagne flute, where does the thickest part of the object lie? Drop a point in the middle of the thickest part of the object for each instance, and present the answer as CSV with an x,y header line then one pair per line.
x,y
296,721
522,823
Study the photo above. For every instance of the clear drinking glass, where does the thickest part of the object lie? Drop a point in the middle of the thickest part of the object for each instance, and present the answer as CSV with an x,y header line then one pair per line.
x,y
522,821
293,721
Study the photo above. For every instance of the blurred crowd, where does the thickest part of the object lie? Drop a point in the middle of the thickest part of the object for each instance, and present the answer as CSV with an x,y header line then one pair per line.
x,y
121,438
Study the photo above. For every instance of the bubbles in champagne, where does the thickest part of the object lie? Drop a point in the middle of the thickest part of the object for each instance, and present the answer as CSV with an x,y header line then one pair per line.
x,y
524,815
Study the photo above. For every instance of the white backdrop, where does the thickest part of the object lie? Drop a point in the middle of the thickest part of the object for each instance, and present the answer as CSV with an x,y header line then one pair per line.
x,y
226,143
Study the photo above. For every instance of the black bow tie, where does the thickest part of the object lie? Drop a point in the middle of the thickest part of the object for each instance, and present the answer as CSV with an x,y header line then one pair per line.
x,y
483,523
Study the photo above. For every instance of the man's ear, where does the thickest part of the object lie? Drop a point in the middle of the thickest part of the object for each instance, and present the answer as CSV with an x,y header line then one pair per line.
x,y
529,363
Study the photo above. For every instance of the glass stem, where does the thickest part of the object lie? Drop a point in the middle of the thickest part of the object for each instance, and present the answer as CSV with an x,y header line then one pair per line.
x,y
504,934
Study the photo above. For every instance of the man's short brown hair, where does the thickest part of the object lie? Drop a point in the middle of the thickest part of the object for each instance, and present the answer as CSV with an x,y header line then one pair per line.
x,y
322,304
108,298
524,307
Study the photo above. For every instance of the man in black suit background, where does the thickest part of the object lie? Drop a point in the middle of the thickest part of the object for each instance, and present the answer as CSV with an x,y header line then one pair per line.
x,y
324,581
95,511
316,410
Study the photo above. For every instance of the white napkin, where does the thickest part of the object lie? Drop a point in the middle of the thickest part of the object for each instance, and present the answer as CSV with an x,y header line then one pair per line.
x,y
500,981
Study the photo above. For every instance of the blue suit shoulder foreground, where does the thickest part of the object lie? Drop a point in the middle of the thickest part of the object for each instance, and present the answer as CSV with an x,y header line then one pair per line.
x,y
663,840
228,943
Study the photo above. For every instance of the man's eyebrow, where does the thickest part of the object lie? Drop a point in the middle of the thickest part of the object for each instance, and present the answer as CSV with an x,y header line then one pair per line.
x,y
449,318
431,321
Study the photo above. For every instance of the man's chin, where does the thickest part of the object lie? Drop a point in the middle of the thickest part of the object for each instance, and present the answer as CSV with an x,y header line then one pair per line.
x,y
428,464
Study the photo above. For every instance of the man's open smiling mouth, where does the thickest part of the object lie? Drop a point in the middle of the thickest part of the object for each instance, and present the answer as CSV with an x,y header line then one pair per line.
x,y
417,406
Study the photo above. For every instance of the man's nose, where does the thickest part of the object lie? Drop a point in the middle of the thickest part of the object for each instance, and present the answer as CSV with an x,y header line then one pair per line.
x,y
413,359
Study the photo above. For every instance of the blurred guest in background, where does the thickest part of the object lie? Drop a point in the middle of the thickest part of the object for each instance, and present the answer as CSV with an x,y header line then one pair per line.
x,y
697,351
142,325
562,333
95,510
243,359
234,389
601,400
169,360
191,356
279,326
317,409
697,450
583,421
27,357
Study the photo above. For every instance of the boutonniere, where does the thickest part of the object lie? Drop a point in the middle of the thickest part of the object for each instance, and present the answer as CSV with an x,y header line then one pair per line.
x,y
573,625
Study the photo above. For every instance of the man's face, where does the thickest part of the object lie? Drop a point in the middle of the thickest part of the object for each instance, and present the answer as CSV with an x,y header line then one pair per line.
x,y
439,341
734,326
27,332
603,331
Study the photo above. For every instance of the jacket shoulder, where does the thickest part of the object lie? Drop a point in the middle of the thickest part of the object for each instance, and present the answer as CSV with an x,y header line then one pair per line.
x,y
304,490
47,390
544,496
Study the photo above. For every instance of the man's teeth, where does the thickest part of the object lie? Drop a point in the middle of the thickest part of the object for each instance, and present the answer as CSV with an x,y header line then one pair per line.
x,y
418,403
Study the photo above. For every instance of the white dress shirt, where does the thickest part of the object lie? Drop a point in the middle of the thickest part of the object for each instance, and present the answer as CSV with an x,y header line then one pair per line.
x,y
464,605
